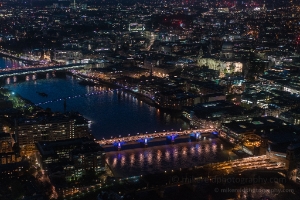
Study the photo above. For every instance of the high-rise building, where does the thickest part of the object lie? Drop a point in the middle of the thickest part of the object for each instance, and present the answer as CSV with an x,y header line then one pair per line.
x,y
6,143
7,153
74,156
50,128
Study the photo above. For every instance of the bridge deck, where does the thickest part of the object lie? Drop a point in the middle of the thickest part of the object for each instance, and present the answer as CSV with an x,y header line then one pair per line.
x,y
135,138
15,72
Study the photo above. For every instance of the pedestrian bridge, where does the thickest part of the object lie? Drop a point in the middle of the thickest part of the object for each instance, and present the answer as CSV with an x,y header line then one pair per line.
x,y
40,69
75,96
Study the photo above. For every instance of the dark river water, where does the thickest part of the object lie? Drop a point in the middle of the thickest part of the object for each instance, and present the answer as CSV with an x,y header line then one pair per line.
x,y
112,112
140,161
115,113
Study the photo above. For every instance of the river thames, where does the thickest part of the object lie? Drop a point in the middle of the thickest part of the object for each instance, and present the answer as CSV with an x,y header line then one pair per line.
x,y
115,113
156,159
111,113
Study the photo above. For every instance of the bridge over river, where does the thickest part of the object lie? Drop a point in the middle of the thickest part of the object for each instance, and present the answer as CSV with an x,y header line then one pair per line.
x,y
7,72
170,136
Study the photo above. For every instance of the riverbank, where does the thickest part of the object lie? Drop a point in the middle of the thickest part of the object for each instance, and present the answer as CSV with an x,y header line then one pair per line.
x,y
139,96
17,100
113,112
2,54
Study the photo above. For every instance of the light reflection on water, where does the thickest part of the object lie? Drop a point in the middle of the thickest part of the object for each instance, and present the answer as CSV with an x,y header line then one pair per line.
x,y
112,113
160,158
9,63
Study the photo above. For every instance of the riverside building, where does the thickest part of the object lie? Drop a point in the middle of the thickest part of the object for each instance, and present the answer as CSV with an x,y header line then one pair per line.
x,y
50,128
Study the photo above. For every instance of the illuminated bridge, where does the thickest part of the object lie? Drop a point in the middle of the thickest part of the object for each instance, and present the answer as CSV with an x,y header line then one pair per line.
x,y
196,134
21,71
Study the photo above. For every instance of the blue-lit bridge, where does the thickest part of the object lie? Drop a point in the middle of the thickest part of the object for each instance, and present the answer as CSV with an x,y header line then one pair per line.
x,y
32,70
170,136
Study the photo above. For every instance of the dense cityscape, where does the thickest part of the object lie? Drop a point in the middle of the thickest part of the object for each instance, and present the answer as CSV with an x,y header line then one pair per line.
x,y
166,100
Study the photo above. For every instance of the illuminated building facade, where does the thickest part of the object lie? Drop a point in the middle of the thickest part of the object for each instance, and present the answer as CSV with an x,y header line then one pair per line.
x,y
225,62
135,27
7,154
13,170
74,156
5,143
30,131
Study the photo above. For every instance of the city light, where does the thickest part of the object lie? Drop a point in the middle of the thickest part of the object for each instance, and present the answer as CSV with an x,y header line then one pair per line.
x,y
93,95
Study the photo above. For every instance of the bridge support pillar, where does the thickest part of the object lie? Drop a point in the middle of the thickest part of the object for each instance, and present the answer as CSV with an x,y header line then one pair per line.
x,y
119,146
